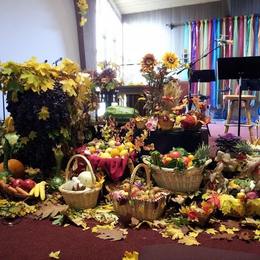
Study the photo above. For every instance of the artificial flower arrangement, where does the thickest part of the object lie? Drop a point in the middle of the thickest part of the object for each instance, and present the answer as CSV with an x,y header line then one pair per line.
x,y
163,97
49,105
106,77
157,76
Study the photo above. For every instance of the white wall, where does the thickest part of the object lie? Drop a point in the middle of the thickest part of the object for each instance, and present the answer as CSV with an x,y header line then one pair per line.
x,y
45,29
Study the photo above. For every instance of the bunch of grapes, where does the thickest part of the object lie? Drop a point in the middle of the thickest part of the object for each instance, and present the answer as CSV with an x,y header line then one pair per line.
x,y
25,112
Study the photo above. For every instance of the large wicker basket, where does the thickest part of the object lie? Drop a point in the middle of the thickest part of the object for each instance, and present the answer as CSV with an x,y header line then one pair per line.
x,y
137,208
174,180
80,199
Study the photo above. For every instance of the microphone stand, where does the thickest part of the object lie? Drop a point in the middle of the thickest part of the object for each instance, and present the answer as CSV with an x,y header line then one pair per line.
x,y
190,71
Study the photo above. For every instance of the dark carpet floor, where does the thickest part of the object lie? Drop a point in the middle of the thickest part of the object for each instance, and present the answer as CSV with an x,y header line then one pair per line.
x,y
31,239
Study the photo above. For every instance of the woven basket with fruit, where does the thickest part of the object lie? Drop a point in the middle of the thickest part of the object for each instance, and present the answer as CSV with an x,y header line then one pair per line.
x,y
112,157
80,192
138,200
179,171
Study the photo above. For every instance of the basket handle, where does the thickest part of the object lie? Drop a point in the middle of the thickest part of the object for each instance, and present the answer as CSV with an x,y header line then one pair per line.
x,y
88,166
147,173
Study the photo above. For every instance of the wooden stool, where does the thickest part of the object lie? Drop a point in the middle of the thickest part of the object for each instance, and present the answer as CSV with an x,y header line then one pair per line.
x,y
233,100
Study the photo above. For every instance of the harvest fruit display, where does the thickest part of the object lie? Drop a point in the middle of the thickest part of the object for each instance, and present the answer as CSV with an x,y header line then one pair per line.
x,y
110,149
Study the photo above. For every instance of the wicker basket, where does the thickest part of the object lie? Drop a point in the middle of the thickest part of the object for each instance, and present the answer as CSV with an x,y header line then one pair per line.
x,y
80,199
172,179
140,209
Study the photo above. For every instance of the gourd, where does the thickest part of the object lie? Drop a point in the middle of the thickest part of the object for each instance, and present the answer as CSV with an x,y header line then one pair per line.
x,y
86,179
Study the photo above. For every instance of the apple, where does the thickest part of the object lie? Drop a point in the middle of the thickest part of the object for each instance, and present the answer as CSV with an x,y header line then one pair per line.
x,y
17,183
28,184
174,154
186,160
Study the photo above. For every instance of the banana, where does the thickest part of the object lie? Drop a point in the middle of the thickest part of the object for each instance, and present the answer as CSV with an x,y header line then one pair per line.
x,y
42,190
31,193
37,190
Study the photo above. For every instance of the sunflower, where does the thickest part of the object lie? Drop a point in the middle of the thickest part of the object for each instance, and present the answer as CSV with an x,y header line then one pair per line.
x,y
148,62
170,60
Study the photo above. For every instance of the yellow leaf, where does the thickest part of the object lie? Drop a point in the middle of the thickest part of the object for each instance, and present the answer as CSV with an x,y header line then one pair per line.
x,y
55,255
230,231
68,66
69,86
211,231
32,135
193,234
257,235
189,241
172,232
130,255
100,227
44,114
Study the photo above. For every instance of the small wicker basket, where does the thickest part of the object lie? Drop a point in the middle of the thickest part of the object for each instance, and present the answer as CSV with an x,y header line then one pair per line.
x,y
137,208
80,199
172,179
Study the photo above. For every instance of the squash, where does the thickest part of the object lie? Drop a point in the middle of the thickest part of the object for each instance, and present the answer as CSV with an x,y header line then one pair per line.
x,y
15,167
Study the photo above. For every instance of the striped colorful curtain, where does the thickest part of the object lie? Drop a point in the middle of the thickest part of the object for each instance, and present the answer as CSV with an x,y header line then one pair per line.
x,y
201,36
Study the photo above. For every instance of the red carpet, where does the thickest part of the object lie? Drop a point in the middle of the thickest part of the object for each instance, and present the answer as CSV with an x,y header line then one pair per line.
x,y
32,239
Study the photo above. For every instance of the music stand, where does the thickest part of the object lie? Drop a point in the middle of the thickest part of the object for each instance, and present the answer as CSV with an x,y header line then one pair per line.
x,y
202,76
239,68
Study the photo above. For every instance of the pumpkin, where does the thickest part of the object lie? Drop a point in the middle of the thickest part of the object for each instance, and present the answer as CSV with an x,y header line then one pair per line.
x,y
15,167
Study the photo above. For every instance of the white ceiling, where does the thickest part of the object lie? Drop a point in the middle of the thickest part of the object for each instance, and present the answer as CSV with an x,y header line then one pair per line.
x,y
136,6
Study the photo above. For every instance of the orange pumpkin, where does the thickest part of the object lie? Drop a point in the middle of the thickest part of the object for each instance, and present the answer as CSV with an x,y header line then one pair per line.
x,y
15,167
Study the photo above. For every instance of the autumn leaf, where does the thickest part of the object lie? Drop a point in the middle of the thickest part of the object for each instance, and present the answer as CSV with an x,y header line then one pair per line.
x,y
223,228
130,255
97,228
68,86
224,236
257,235
44,113
251,222
50,209
172,232
245,235
115,234
211,231
55,255
231,224
189,241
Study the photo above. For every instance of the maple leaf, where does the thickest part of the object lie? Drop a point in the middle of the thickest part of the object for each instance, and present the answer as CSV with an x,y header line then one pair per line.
x,y
97,228
172,232
231,223
224,236
189,241
211,231
251,222
112,234
44,113
257,235
77,217
55,254
68,86
245,235
49,209
130,255
223,228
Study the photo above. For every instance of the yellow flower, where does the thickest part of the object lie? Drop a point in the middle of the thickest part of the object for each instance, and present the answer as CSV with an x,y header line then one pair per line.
x,y
44,114
170,60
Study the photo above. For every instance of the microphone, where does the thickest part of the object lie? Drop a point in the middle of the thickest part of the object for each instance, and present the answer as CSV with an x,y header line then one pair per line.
x,y
227,42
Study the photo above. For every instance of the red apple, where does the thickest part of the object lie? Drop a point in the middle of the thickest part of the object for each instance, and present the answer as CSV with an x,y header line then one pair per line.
x,y
174,154
28,184
186,160
17,183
